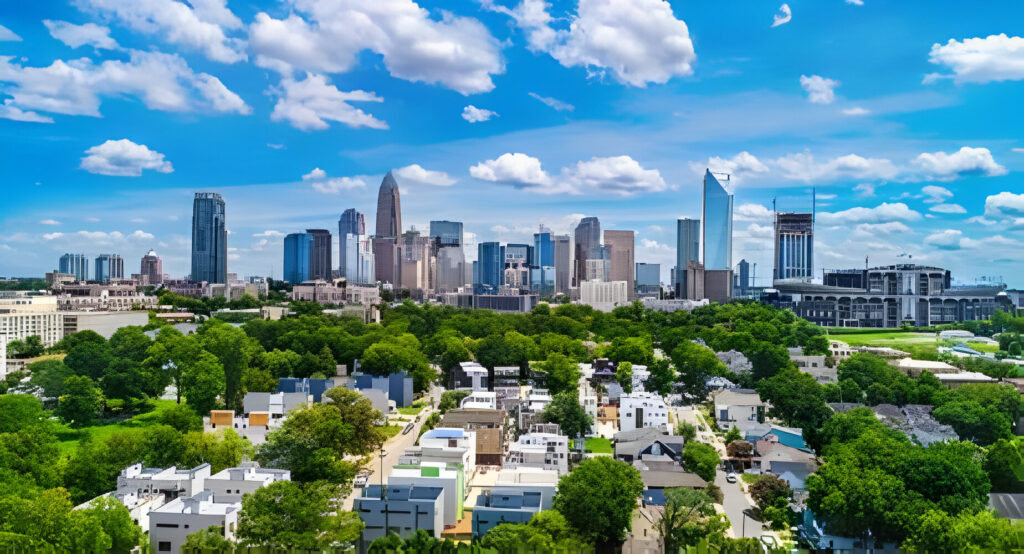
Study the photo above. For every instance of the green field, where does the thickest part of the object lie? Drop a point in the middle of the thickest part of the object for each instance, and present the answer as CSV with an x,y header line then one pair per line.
x,y
598,445
919,345
415,409
69,438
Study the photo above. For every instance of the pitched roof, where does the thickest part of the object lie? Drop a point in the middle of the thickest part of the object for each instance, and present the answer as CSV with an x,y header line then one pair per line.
x,y
670,479
737,397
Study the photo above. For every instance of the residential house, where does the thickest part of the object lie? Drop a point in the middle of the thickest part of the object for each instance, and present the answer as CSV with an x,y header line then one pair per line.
x,y
741,408
449,445
642,409
448,477
308,385
231,484
494,508
254,426
171,524
397,385
489,426
403,508
276,404
480,400
470,376
540,450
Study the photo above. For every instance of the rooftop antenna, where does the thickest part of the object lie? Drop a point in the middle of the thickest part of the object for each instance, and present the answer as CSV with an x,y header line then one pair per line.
x,y
865,262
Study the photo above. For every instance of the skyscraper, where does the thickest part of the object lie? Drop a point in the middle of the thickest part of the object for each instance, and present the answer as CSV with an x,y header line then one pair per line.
x,y
448,232
320,266
687,250
209,239
648,279
489,268
794,246
563,263
109,266
621,259
359,266
518,259
75,264
298,255
152,267
587,240
717,224
742,285
389,229
350,223
542,268
448,239
417,262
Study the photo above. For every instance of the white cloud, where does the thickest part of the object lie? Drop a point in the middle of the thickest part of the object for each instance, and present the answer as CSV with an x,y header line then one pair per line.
x,y
855,111
621,175
882,213
819,89
92,219
100,238
317,173
162,81
636,41
740,166
948,239
1005,204
515,169
74,36
979,60
554,103
7,35
872,230
269,233
855,2
7,111
755,231
333,185
966,161
274,146
123,158
783,16
308,105
981,220
935,194
865,189
418,174
474,114
826,196
200,28
803,167
456,52
948,209
752,212
49,222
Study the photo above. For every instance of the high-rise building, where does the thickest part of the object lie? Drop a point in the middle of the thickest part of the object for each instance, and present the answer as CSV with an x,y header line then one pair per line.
x,y
417,262
350,223
687,250
298,257
518,259
152,267
109,266
563,263
449,233
587,242
75,264
648,279
489,268
621,259
451,269
320,266
389,230
794,246
209,239
717,224
359,266
741,286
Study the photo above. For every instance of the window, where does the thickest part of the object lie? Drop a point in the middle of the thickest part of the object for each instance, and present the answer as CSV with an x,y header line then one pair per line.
x,y
164,546
168,525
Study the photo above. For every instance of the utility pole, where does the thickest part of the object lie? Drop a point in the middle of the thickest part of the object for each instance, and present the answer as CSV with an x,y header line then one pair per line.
x,y
384,491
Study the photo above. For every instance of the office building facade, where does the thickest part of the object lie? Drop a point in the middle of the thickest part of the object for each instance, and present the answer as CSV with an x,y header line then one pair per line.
x,y
387,259
586,242
563,263
717,218
621,262
298,255
687,250
648,279
448,233
320,266
542,267
359,262
152,268
794,246
742,284
75,264
209,239
109,266
490,268
350,223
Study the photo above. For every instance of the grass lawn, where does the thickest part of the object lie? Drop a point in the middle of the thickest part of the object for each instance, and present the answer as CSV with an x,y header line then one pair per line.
x,y
390,430
750,478
919,345
598,445
69,437
416,408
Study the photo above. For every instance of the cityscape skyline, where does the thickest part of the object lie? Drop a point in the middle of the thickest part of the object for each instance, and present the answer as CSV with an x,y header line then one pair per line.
x,y
903,166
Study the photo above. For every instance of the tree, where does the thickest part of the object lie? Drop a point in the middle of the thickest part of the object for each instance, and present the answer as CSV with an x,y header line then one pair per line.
x,y
687,430
116,523
221,450
661,378
701,459
739,449
796,398
450,399
31,347
598,497
182,418
1002,458
210,539
733,435
286,514
563,374
49,375
624,376
547,531
385,358
694,365
167,359
689,517
21,411
768,489
122,380
130,343
938,531
89,359
202,381
311,444
637,350
280,363
974,422
357,411
81,403
234,349
566,411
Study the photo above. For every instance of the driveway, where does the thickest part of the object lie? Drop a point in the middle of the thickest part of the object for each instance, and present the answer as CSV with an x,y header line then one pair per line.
x,y
734,503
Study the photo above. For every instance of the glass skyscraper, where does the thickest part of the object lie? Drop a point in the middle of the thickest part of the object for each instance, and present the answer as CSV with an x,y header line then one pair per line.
x,y
209,239
794,246
648,279
298,253
587,238
717,224
320,266
448,232
542,268
489,269
109,266
387,260
687,250
75,264
350,223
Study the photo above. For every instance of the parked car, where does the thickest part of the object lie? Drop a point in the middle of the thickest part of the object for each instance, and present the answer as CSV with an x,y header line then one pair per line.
x,y
362,478
730,477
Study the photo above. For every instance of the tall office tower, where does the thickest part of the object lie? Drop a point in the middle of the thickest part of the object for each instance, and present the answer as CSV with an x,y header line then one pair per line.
x,y
153,268
587,240
448,232
563,263
209,239
451,269
717,224
359,262
742,280
518,258
109,266
489,268
298,257
794,246
75,264
621,259
687,250
351,223
320,266
389,230
542,267
417,262
648,279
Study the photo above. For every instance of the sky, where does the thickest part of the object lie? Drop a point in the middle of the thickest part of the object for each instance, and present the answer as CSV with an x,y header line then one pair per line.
x,y
903,117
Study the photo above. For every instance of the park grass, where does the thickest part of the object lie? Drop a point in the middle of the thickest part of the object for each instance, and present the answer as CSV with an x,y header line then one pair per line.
x,y
69,438
415,409
390,430
750,478
922,346
598,445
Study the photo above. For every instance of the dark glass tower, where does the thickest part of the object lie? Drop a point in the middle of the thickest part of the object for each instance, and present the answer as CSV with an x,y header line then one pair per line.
x,y
298,249
351,223
320,266
209,239
587,246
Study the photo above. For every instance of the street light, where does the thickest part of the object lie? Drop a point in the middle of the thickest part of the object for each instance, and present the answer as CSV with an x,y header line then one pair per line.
x,y
746,514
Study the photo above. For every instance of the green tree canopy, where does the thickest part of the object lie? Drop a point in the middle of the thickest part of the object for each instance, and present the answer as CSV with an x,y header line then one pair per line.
x,y
566,411
286,514
598,497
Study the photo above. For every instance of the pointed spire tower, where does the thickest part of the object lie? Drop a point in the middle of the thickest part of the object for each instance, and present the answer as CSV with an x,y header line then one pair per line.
x,y
389,230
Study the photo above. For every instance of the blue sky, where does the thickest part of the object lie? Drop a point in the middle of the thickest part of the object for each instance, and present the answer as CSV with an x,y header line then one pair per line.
x,y
505,114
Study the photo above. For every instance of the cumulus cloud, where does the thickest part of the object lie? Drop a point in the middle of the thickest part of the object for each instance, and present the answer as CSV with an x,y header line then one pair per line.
x,y
871,230
621,175
966,161
326,36
317,173
752,212
474,114
979,60
948,239
269,233
935,194
7,111
740,166
162,81
855,2
948,209
554,103
197,25
882,213
1005,204
91,34
865,189
7,35
636,41
416,173
803,167
855,111
99,238
618,175
517,169
755,231
819,89
310,103
123,158
334,185
49,222
783,16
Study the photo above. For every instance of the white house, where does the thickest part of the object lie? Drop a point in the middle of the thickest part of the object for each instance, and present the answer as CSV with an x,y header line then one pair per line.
x,y
528,479
231,484
172,523
480,400
277,404
253,426
642,409
435,474
170,482
448,445
540,450
738,407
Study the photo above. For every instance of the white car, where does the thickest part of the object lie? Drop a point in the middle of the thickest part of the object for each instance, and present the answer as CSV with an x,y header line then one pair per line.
x,y
730,477
361,479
